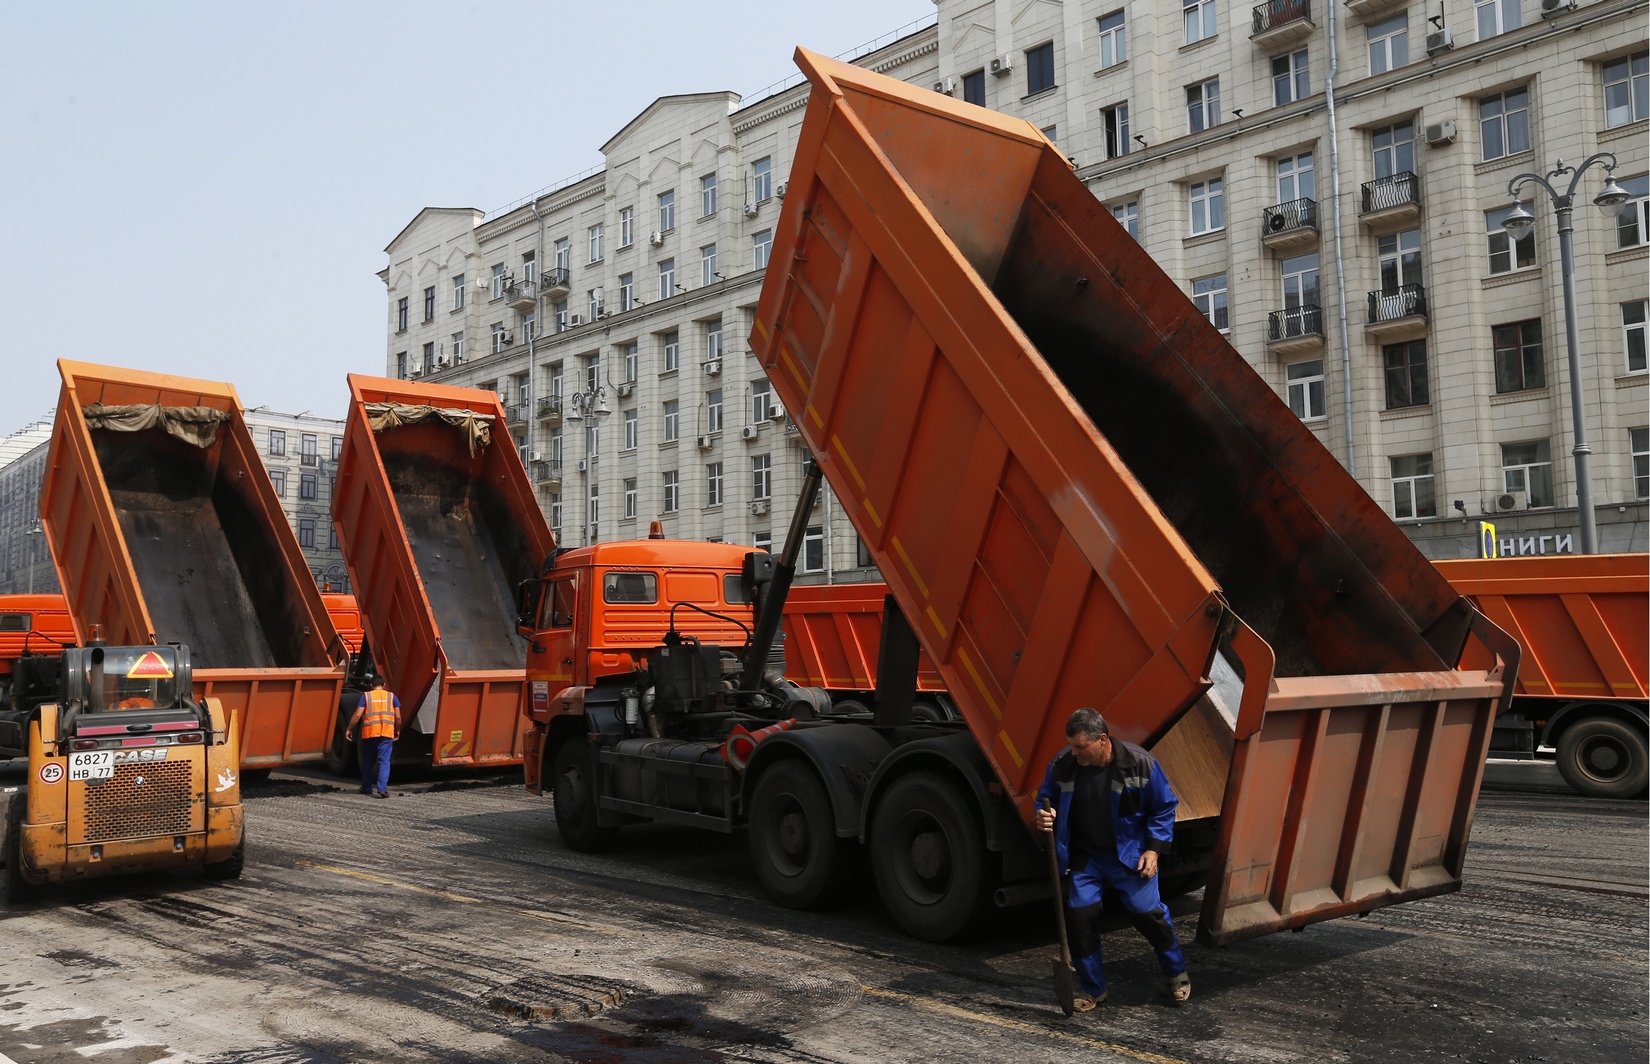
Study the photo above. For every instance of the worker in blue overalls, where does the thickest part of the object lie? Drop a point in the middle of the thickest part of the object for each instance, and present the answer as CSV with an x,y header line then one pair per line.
x,y
378,716
1112,816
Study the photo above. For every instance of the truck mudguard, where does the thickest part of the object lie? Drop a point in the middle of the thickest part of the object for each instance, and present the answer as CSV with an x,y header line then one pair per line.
x,y
845,756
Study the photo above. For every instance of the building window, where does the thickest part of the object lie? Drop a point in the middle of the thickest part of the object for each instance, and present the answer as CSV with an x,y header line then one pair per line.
x,y
1039,68
813,549
1504,123
762,180
974,88
713,410
761,407
332,544
529,267
862,554
630,497
1117,130
1128,216
673,421
1203,105
1389,44
337,448
1399,256
558,314
707,195
1304,385
1291,78
458,292
1518,359
761,248
429,303
667,278
1406,374
631,353
401,314
627,292
1295,178
596,239
1633,333
555,514
713,340
1053,134
1300,281
498,337
1633,223
707,265
306,533
1208,205
277,442
564,254
306,486
1638,440
672,502
401,365
458,346
671,345
632,430
667,211
713,484
1498,16
1209,293
761,477
1200,19
529,325
428,365
1627,90
1412,487
1114,40
277,480
762,541
595,303
1393,148
627,226
1507,254
1528,467
499,280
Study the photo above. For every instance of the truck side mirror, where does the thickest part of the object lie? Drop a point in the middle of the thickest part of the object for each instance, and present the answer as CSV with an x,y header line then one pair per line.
x,y
528,595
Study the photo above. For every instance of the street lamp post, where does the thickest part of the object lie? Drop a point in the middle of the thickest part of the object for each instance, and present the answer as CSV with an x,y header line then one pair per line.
x,y
591,405
1519,223
31,533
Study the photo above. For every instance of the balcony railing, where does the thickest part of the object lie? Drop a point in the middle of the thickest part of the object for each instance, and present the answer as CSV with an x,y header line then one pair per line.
x,y
515,413
523,295
550,407
555,282
1407,301
1275,13
1286,217
1399,190
1294,323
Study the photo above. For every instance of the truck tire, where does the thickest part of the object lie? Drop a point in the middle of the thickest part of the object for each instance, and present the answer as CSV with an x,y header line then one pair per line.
x,y
18,889
798,855
341,756
929,857
230,867
1602,757
573,781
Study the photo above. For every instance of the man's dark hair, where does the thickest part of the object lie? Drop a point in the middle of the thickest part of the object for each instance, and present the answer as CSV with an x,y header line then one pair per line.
x,y
1086,723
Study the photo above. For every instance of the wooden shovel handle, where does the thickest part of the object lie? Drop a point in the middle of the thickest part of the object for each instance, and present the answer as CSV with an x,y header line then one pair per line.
x,y
1059,895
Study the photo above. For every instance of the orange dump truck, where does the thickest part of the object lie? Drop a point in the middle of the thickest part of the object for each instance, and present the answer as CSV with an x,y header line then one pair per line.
x,y
1080,495
438,523
833,640
29,625
164,527
1584,623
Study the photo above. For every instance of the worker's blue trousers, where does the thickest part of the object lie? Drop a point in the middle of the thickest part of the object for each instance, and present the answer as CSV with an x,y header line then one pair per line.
x,y
1140,899
375,764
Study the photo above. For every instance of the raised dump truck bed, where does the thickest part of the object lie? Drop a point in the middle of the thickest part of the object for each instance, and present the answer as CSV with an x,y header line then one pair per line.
x,y
1080,494
164,527
438,524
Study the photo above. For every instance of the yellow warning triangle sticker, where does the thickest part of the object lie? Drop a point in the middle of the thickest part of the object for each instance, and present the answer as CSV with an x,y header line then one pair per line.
x,y
150,667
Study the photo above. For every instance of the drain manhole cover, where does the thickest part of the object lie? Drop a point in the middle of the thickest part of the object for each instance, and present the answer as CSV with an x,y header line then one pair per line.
x,y
558,997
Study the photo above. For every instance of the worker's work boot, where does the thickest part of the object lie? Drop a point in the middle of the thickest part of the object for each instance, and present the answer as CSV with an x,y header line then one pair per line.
x,y
1180,988
1082,1002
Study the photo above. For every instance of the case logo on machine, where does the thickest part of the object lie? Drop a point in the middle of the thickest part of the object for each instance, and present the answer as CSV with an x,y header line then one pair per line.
x,y
150,666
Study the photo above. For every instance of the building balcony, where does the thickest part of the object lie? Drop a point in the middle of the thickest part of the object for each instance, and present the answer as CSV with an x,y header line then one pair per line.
x,y
1365,9
1282,22
1390,201
1295,329
555,283
516,414
1290,225
522,296
547,475
1398,314
550,410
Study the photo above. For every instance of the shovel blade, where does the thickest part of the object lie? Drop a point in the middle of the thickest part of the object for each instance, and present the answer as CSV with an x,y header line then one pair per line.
x,y
1063,988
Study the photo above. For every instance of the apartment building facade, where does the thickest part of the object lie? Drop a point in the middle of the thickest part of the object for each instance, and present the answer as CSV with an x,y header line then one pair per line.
x,y
26,564
1353,255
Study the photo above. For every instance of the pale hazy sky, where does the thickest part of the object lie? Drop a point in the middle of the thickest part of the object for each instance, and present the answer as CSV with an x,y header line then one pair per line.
x,y
207,189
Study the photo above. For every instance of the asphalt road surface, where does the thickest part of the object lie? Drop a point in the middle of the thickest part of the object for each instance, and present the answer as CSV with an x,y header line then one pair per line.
x,y
450,924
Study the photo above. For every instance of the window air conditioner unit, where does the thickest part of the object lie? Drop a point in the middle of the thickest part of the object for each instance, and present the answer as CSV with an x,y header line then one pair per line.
x,y
946,86
1441,132
584,465
626,390
537,456
704,443
575,320
1554,8
759,507
655,238
1002,66
748,432
1440,41
442,361
713,367
1511,502
779,189
750,210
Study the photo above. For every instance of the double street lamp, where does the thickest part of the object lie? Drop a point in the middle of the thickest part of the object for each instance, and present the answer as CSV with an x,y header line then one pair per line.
x,y
1518,225
591,406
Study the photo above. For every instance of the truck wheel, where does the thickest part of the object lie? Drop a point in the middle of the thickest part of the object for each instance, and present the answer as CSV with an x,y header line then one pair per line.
x,y
230,867
798,856
574,776
1603,758
341,756
928,854
18,889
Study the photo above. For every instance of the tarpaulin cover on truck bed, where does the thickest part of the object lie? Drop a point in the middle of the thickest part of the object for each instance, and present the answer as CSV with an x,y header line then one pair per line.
x,y
192,424
477,427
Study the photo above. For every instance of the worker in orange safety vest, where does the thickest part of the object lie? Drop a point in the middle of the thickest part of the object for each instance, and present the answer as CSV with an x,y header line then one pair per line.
x,y
378,716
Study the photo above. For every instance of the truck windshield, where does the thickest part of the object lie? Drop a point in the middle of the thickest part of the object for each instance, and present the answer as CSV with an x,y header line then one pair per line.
x,y
137,678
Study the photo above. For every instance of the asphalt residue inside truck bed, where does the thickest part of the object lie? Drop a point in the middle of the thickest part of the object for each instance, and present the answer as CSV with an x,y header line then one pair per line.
x,y
465,582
